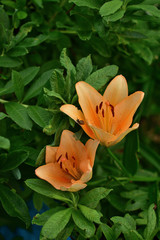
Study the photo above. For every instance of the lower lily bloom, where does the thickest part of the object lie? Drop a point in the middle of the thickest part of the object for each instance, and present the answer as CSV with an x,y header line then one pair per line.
x,y
69,166
108,117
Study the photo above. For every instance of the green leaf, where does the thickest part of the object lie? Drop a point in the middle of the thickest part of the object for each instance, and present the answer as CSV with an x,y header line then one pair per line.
x,y
56,223
66,232
9,62
116,16
39,3
2,115
4,143
66,62
14,159
128,227
91,214
29,74
19,115
41,219
83,223
54,94
84,68
92,198
150,155
152,10
21,15
108,232
57,81
37,86
48,190
110,7
18,52
14,205
71,72
18,85
39,115
93,4
4,19
99,78
151,223
32,42
130,160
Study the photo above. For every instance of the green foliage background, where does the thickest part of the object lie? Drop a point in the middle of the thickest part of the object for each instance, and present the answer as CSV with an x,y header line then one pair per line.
x,y
46,46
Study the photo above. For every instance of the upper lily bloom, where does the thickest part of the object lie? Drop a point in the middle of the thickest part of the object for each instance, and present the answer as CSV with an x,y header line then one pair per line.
x,y
108,117
69,166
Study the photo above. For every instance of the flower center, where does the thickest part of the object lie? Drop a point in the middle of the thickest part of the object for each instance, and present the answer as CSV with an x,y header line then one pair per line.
x,y
106,113
69,164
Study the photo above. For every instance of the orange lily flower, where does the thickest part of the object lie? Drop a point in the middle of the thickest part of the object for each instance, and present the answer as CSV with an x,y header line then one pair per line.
x,y
69,166
108,117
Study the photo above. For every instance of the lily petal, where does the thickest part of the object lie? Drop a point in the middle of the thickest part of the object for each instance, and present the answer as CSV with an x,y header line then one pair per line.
x,y
76,115
53,174
89,99
76,186
76,149
51,154
102,136
91,146
86,176
116,91
122,135
124,112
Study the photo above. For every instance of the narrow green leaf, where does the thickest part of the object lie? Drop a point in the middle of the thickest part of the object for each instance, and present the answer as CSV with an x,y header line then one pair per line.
x,y
4,143
84,68
110,7
150,155
18,84
153,10
41,219
2,115
130,160
91,214
29,74
32,42
54,94
18,51
116,16
108,232
83,223
93,4
39,115
18,114
57,81
37,86
99,78
39,3
14,204
14,159
151,223
66,232
9,62
48,190
92,198
56,223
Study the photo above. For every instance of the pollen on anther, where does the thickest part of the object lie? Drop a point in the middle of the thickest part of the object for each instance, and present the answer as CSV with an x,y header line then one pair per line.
x,y
59,158
100,105
112,109
73,158
103,112
67,155
97,109
60,164
66,170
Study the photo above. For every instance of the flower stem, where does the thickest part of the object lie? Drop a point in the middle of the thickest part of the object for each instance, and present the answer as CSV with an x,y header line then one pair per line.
x,y
118,162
